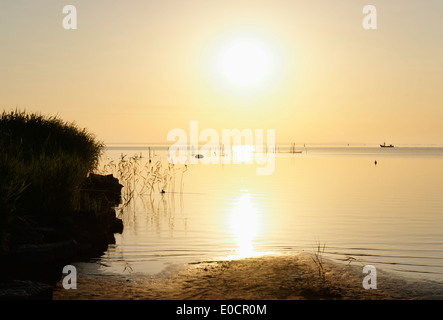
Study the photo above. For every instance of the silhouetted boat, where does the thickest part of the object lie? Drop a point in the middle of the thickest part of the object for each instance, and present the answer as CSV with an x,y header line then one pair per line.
x,y
385,146
199,156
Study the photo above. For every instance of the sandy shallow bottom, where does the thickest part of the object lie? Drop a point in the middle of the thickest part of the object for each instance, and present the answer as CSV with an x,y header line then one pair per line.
x,y
273,277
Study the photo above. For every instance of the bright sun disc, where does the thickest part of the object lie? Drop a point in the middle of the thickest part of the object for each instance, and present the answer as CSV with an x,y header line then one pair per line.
x,y
245,62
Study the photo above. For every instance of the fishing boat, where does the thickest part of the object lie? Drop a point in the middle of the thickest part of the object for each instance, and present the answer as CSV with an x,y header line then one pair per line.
x,y
386,146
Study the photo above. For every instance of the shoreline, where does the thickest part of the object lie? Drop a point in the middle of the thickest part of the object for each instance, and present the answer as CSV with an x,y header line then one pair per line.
x,y
270,277
32,264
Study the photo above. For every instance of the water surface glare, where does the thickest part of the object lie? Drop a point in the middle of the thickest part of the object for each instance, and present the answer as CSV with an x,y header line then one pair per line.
x,y
388,214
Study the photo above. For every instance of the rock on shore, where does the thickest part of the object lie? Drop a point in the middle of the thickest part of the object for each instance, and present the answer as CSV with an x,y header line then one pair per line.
x,y
36,255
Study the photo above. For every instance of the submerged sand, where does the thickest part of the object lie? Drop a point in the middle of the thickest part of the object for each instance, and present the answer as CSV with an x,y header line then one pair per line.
x,y
271,277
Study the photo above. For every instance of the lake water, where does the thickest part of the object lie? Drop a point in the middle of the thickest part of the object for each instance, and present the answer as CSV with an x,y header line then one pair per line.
x,y
388,214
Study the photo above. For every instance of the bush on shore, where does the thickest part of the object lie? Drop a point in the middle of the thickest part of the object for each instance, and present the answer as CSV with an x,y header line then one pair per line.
x,y
43,163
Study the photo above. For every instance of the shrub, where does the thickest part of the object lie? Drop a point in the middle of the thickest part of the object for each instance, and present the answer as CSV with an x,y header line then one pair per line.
x,y
43,162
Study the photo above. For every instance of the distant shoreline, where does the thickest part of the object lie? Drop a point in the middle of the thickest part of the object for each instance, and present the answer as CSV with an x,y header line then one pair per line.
x,y
280,148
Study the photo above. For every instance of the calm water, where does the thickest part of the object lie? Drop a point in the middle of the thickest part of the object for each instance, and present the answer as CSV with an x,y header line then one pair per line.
x,y
389,215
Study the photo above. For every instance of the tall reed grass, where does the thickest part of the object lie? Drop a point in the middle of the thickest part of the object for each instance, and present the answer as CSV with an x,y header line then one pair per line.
x,y
318,260
43,162
144,176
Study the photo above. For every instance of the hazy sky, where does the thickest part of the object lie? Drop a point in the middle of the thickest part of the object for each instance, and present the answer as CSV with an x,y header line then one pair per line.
x,y
134,70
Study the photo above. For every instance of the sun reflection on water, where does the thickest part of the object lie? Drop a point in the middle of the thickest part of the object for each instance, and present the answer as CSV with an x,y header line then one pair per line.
x,y
246,226
243,153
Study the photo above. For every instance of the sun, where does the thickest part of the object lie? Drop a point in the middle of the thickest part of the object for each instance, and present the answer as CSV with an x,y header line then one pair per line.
x,y
245,62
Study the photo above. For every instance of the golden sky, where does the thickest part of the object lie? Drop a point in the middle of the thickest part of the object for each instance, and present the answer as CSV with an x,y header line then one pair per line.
x,y
134,70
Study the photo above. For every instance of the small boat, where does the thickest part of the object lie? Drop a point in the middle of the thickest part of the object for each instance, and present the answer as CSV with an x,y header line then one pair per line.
x,y
199,156
386,146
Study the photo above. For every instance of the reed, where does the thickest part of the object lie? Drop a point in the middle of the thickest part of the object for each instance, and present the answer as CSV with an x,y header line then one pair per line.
x,y
43,162
319,251
30,135
144,176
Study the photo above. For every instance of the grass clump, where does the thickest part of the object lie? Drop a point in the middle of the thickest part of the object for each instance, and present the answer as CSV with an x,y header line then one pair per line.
x,y
43,163
318,260
143,176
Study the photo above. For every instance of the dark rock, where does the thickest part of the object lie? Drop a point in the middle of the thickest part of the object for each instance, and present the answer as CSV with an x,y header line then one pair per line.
x,y
37,261
104,186
110,223
38,253
35,235
25,290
